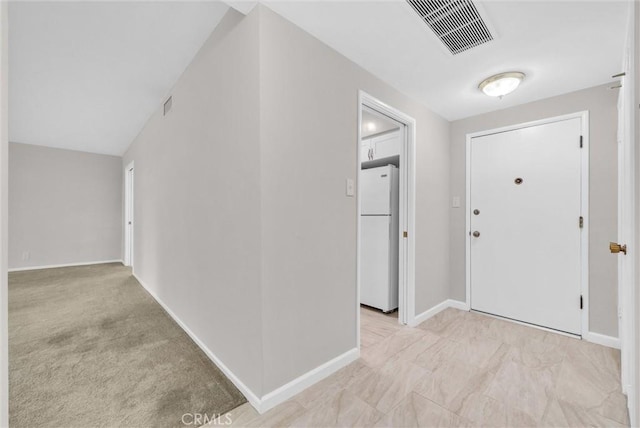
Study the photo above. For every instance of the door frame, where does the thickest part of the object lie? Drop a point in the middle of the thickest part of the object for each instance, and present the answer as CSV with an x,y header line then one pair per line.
x,y
584,191
406,250
627,212
129,180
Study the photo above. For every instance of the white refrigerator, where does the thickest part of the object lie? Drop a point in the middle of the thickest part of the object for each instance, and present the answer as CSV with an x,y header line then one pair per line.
x,y
379,237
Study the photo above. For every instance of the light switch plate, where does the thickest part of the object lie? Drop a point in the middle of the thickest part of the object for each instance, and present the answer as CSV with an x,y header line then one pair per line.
x,y
351,187
456,202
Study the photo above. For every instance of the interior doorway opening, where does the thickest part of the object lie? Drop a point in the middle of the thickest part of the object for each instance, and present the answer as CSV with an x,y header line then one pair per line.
x,y
128,215
386,185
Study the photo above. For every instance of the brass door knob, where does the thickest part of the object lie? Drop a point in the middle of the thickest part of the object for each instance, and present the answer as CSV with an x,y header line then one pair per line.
x,y
616,248
476,234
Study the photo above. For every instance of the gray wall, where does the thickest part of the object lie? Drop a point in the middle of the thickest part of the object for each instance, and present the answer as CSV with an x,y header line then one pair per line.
x,y
602,105
309,121
64,206
4,248
197,201
243,226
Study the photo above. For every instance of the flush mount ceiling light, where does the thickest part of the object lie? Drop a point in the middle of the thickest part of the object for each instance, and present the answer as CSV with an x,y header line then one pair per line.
x,y
501,84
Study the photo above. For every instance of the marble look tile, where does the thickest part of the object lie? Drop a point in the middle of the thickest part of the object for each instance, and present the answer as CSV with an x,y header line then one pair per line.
x,y
559,339
563,414
343,409
539,354
377,355
417,411
378,315
588,377
523,388
381,328
369,338
513,333
441,322
475,351
469,325
414,351
614,407
487,412
279,416
332,385
608,359
374,315
498,358
480,350
385,387
450,384
460,369
582,390
239,417
534,354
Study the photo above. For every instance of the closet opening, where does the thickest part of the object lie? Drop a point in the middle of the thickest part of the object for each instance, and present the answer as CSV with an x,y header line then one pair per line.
x,y
386,289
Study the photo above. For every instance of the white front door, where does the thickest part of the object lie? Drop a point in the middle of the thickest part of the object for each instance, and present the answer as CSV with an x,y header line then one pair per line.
x,y
525,242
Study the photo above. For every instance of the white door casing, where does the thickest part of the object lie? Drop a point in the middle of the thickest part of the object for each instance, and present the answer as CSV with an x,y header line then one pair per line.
x,y
529,262
128,217
627,330
406,257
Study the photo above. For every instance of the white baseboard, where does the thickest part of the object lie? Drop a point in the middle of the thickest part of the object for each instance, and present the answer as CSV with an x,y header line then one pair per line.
x,y
277,396
631,406
601,339
246,391
457,304
301,383
449,303
64,265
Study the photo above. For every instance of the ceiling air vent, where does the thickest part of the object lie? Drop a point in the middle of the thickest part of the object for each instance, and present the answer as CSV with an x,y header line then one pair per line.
x,y
457,23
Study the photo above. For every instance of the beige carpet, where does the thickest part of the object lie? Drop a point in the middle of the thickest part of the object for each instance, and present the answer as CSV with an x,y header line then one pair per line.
x,y
88,346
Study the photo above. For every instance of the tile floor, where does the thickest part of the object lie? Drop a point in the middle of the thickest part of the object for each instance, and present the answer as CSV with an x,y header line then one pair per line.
x,y
459,369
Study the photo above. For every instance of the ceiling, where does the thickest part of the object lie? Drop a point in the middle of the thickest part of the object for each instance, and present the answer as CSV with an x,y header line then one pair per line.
x,y
375,123
561,46
88,75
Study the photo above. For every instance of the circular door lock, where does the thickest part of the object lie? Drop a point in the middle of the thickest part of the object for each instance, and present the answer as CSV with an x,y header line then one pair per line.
x,y
518,180
476,212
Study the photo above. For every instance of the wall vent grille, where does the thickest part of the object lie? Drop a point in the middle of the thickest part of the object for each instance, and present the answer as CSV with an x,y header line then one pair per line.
x,y
167,105
457,23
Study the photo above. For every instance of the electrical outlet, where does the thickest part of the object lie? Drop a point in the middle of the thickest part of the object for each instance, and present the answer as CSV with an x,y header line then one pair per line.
x,y
25,255
350,187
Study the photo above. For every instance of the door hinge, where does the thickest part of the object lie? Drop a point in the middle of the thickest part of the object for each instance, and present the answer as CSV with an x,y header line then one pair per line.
x,y
581,141
581,302
581,222
405,234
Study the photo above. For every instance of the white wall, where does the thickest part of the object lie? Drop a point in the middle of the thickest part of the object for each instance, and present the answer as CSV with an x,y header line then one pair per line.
x,y
243,228
602,105
309,120
197,201
65,207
